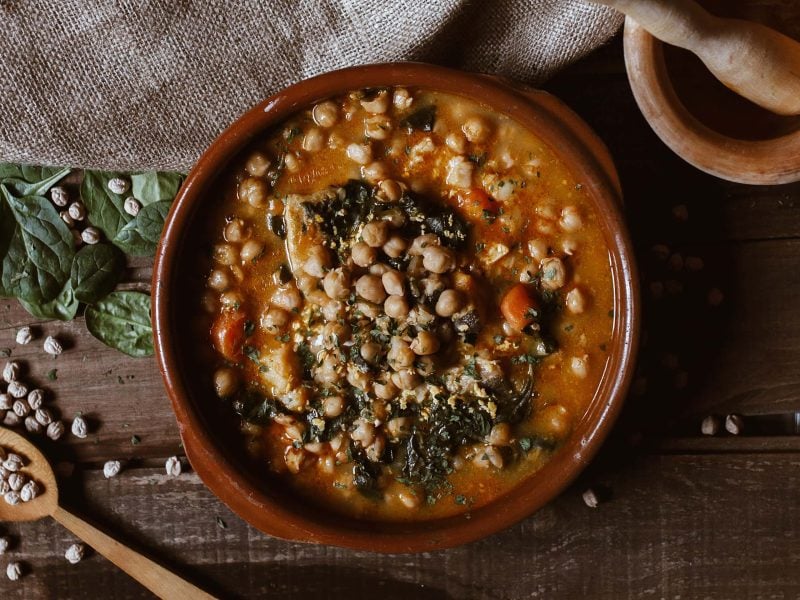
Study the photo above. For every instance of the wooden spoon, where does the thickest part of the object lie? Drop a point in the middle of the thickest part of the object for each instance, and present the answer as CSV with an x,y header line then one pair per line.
x,y
157,579
751,59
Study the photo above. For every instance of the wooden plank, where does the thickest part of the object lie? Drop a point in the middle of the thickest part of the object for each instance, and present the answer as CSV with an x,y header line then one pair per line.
x,y
656,537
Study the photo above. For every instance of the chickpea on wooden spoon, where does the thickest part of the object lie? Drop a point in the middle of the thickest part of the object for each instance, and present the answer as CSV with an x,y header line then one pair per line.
x,y
154,577
751,59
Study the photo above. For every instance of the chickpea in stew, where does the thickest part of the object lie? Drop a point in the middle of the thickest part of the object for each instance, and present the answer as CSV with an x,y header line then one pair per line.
x,y
409,300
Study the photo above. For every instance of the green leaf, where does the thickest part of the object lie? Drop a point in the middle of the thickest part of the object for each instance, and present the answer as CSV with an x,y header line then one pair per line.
x,y
34,181
121,320
63,307
96,270
154,186
140,236
37,258
105,209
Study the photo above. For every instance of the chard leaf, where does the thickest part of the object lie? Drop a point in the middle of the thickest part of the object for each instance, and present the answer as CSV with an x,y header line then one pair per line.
x,y
38,254
121,320
63,307
33,181
154,186
140,236
105,209
96,270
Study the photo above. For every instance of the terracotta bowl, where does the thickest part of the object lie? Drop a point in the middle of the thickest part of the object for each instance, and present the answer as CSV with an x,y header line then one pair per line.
x,y
265,504
701,120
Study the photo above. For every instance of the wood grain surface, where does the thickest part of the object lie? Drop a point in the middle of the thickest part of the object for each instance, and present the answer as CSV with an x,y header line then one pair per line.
x,y
684,516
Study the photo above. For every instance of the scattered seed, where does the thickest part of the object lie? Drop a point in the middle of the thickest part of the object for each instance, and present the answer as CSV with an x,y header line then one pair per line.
x,y
32,425
135,440
111,469
77,211
222,524
14,571
734,424
132,206
59,196
43,416
5,543
710,425
11,371
52,346
90,235
74,553
11,420
590,498
715,297
17,389
173,466
17,480
36,399
6,402
79,427
694,263
12,498
29,491
657,289
68,221
24,336
661,251
55,430
118,185
13,462
675,262
21,409
680,212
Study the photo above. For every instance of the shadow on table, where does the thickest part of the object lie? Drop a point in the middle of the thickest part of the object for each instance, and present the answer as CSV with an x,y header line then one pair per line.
x,y
317,582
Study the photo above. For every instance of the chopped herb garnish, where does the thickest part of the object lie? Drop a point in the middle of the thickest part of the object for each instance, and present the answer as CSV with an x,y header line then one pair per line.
x,y
249,328
52,374
135,440
460,499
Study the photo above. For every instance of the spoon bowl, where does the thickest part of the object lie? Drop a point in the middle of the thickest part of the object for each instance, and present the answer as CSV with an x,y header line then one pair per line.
x,y
162,582
36,468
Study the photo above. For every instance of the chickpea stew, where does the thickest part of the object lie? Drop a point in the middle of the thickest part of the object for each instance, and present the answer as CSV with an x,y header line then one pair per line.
x,y
409,298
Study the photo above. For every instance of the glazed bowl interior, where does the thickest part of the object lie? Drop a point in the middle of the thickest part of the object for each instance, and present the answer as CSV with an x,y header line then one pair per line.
x,y
207,426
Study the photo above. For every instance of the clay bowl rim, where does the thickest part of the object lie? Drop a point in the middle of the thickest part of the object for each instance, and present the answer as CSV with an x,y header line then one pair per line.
x,y
757,162
249,497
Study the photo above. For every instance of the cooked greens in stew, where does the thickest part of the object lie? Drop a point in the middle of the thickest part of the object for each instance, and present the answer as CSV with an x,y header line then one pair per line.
x,y
409,301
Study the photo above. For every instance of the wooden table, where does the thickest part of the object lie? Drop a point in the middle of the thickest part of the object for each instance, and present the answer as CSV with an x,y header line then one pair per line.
x,y
689,516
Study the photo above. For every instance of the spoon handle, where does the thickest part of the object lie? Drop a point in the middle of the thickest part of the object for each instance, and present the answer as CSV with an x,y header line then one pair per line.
x,y
157,579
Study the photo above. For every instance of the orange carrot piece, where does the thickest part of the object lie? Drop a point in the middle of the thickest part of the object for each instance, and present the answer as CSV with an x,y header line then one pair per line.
x,y
519,306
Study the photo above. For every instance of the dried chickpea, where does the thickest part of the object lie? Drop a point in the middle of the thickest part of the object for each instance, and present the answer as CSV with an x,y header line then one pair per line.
x,y
393,282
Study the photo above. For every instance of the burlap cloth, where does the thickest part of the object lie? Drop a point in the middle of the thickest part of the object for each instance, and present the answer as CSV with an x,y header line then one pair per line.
x,y
128,85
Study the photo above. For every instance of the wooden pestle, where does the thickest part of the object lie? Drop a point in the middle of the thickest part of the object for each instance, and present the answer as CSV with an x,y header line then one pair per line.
x,y
751,59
